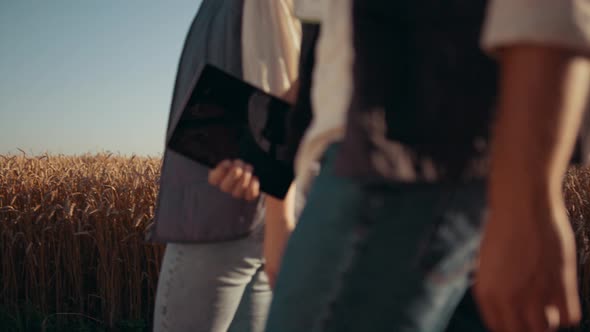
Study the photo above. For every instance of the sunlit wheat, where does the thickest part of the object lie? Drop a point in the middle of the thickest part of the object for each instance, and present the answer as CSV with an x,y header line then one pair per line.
x,y
72,234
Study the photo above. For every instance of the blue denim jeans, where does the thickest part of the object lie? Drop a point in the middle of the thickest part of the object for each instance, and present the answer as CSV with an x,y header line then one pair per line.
x,y
213,287
380,257
319,247
412,262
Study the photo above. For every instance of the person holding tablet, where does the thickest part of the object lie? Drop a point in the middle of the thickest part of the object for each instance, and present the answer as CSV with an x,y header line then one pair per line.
x,y
212,277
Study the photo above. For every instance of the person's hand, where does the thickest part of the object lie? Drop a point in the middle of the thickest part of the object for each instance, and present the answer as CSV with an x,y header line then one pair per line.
x,y
235,178
527,279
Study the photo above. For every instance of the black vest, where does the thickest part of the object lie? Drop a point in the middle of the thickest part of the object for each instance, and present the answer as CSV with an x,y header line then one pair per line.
x,y
424,92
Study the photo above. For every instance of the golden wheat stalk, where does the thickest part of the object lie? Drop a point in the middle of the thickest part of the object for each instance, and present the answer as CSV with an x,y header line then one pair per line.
x,y
71,236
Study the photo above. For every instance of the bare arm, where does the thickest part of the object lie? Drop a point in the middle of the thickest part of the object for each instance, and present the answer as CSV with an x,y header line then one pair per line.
x,y
527,275
542,100
279,223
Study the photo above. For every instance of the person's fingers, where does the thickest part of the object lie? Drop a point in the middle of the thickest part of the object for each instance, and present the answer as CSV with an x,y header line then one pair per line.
x,y
233,176
253,190
508,318
217,174
552,318
243,183
533,305
536,319
487,308
566,301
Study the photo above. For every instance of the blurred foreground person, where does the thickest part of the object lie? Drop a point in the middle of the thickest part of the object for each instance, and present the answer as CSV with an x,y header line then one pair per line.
x,y
433,118
438,132
212,276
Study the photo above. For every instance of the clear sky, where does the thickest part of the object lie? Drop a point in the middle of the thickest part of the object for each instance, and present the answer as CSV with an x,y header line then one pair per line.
x,y
87,75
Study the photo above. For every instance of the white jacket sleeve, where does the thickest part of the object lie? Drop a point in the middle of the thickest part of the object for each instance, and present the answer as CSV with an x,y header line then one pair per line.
x,y
271,38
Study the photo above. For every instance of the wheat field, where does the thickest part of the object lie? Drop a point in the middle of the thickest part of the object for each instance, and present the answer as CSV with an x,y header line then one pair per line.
x,y
577,199
72,232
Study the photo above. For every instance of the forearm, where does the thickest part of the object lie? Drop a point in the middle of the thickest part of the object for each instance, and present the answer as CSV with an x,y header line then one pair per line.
x,y
542,98
279,220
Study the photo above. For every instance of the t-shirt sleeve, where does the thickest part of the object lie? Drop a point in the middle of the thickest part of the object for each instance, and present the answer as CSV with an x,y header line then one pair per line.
x,y
557,23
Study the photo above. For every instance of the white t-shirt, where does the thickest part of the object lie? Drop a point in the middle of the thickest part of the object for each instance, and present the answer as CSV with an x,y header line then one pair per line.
x,y
271,41
332,84
561,23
